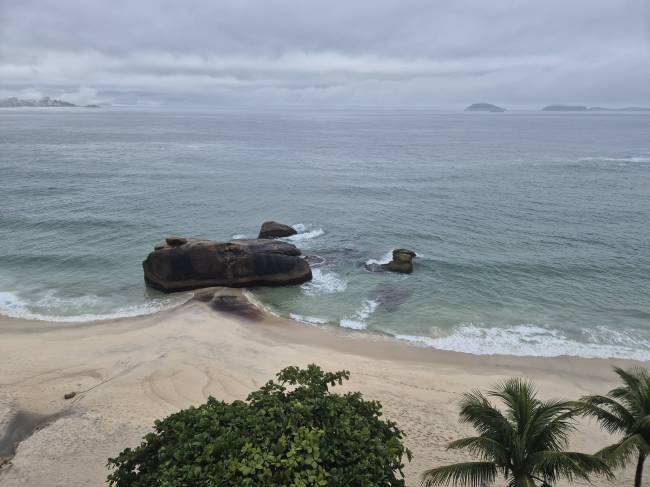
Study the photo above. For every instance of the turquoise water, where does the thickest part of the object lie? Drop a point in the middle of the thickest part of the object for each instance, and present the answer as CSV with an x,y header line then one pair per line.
x,y
532,229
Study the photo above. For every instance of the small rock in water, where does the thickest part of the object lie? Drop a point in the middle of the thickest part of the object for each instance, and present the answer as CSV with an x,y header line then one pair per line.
x,y
175,241
402,261
276,230
69,395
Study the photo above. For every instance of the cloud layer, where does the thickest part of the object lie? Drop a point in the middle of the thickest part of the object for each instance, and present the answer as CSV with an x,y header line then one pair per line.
x,y
411,53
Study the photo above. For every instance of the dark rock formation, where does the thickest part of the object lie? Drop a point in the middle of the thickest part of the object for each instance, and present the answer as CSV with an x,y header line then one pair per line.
x,y
564,108
402,261
275,230
196,264
229,301
175,241
43,102
484,107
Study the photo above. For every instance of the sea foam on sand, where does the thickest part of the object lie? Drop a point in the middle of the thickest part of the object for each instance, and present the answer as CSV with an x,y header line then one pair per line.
x,y
534,340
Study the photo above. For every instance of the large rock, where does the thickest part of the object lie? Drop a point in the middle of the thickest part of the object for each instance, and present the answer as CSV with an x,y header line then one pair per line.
x,y
402,261
239,263
275,230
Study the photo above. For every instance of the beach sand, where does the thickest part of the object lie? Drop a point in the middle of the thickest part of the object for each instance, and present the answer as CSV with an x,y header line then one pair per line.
x,y
129,372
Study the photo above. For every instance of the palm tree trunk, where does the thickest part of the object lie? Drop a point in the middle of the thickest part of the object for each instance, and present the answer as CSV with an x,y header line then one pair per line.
x,y
639,470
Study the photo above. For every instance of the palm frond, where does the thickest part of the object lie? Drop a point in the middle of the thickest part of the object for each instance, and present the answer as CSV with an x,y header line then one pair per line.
x,y
632,377
483,447
620,454
551,425
519,397
468,474
524,482
476,410
554,465
611,414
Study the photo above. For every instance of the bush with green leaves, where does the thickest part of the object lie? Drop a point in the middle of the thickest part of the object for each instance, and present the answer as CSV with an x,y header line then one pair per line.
x,y
291,432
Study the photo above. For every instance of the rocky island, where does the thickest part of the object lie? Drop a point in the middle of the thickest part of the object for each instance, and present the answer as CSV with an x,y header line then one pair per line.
x,y
625,109
581,108
484,107
564,108
183,264
46,101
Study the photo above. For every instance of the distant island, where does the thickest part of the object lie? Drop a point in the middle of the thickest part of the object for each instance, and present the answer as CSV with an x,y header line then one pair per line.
x,y
564,108
484,107
625,109
46,101
581,108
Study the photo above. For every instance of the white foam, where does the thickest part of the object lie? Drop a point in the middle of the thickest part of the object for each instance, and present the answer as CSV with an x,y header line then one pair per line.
x,y
537,341
239,236
384,259
305,232
354,324
358,320
324,283
11,305
312,320
624,159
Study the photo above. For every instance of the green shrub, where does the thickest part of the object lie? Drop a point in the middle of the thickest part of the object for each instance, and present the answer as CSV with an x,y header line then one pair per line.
x,y
292,432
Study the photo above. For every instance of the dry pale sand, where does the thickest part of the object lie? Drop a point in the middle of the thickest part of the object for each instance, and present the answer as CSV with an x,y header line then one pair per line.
x,y
129,372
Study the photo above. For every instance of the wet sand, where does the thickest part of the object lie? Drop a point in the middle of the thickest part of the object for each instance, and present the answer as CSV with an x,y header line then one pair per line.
x,y
127,373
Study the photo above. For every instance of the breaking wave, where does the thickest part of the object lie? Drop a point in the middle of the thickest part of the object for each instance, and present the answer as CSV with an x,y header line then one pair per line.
x,y
305,232
358,320
72,310
537,341
384,259
324,283
312,320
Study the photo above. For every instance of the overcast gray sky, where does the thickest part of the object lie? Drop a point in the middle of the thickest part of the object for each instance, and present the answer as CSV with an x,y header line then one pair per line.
x,y
385,53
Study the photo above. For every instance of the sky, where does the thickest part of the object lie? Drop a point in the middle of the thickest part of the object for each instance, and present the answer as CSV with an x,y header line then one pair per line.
x,y
327,53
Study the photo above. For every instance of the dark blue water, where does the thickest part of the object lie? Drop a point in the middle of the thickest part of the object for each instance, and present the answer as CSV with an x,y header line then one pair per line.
x,y
532,229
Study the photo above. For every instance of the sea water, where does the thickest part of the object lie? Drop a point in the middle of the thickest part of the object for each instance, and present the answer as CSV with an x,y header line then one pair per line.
x,y
532,229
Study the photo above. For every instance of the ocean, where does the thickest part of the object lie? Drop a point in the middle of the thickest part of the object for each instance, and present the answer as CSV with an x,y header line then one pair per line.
x,y
532,229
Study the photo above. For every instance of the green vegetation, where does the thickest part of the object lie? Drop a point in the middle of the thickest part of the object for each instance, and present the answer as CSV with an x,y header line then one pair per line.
x,y
292,432
525,443
625,410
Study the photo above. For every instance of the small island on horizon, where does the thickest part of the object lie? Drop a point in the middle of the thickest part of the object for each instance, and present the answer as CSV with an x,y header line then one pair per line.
x,y
582,108
484,107
46,101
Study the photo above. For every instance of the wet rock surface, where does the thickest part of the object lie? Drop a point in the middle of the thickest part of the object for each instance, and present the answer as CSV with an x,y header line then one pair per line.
x,y
273,229
402,261
185,264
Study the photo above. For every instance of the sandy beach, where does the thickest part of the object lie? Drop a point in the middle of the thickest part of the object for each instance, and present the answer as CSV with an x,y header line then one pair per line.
x,y
126,373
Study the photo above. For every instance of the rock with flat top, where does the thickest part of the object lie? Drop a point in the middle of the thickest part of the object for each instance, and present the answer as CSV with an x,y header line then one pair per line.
x,y
276,230
197,264
402,261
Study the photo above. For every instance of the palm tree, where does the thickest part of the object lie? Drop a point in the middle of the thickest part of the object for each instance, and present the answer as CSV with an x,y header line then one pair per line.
x,y
525,443
625,410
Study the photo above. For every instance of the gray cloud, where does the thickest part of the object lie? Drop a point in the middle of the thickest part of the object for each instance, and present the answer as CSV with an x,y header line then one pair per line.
x,y
335,53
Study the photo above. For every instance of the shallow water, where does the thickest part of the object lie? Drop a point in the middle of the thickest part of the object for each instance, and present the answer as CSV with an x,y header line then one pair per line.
x,y
532,229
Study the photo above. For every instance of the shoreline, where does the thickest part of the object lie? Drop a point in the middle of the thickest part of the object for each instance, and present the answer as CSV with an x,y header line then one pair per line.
x,y
128,372
419,341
